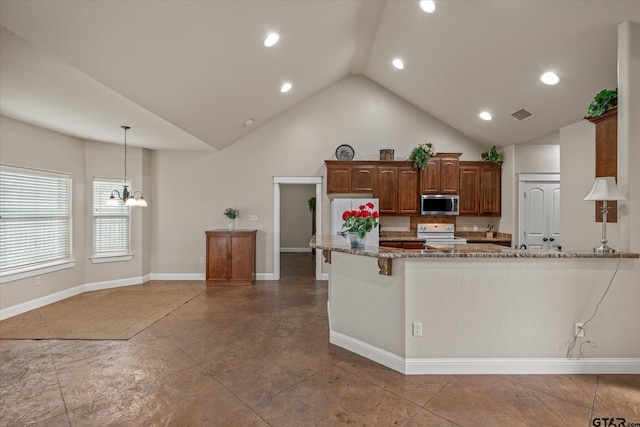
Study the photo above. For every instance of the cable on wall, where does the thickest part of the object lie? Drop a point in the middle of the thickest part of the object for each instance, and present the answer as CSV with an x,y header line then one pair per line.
x,y
574,341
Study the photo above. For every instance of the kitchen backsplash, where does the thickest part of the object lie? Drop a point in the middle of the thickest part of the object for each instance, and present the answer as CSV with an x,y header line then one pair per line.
x,y
463,223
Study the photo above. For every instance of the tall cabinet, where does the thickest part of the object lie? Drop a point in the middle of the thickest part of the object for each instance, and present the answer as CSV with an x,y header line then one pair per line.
x,y
231,257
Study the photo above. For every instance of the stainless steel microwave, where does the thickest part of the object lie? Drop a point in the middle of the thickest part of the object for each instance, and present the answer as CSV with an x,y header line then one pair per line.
x,y
439,204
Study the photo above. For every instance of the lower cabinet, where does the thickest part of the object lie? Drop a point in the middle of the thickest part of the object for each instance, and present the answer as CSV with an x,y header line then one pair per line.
x,y
231,257
402,244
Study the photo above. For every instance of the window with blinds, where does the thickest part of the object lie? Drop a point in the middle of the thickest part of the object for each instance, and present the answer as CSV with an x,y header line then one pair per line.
x,y
111,229
35,218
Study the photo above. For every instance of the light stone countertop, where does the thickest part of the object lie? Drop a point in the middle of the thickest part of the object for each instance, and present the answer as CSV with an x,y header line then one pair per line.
x,y
470,250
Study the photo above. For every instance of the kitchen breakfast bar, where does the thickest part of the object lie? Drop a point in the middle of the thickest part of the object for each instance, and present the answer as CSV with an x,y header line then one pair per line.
x,y
484,309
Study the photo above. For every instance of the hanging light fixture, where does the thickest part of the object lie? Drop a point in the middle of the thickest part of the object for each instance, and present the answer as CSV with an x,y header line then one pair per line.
x,y
127,197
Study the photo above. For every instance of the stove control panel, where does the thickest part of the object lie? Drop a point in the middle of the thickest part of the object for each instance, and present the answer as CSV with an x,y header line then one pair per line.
x,y
436,228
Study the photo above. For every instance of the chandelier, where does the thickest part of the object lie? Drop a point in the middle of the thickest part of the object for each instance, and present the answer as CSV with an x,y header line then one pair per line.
x,y
127,197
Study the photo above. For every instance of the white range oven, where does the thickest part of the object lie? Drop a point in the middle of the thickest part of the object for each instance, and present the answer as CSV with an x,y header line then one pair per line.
x,y
435,233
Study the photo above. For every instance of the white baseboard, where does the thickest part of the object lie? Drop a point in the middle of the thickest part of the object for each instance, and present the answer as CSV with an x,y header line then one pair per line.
x,y
467,366
40,302
295,250
324,276
178,276
265,276
113,284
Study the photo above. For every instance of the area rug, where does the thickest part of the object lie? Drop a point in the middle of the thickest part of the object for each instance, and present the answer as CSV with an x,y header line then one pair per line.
x,y
116,315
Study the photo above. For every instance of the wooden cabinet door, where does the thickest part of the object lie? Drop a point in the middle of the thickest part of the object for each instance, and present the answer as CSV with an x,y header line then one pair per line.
x,y
430,177
218,252
407,190
389,244
242,258
490,191
363,179
338,179
469,189
449,176
387,189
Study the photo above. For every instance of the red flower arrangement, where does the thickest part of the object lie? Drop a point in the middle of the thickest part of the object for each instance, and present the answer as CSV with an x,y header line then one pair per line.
x,y
361,221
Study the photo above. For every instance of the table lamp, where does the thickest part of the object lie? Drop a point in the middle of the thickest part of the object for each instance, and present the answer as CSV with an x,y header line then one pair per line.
x,y
604,189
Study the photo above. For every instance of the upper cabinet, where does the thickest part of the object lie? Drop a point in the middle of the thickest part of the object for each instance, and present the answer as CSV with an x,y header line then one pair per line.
x,y
397,189
441,176
480,188
348,177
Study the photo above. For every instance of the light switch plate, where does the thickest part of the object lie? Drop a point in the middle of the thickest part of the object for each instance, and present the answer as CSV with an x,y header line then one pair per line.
x,y
253,217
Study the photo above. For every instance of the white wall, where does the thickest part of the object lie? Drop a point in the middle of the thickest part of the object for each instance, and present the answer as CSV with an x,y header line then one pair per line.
x,y
29,146
354,111
25,145
295,216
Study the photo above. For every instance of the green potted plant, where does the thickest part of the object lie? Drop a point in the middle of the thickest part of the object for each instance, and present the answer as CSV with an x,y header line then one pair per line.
x,y
604,100
492,155
421,154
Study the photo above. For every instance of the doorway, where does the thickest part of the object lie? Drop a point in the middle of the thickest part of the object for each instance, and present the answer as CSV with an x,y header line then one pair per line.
x,y
278,183
297,226
539,211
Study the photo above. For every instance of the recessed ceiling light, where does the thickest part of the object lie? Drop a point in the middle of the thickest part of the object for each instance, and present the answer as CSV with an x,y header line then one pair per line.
x,y
286,87
485,115
550,78
271,39
428,6
398,63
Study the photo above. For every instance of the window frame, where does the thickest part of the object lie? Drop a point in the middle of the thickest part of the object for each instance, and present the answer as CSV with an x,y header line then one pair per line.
x,y
35,268
109,256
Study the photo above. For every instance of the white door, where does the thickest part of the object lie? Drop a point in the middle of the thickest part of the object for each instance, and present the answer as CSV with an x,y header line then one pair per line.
x,y
540,215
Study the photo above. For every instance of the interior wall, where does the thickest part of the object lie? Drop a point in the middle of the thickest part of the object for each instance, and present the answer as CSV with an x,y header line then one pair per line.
x,y
354,111
24,145
103,160
295,217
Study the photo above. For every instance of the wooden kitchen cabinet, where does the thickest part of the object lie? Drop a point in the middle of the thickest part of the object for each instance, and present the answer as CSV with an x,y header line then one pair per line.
x,y
231,257
397,190
480,188
607,156
387,192
441,176
350,177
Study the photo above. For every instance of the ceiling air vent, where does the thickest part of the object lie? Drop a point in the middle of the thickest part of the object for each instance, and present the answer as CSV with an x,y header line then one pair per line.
x,y
522,115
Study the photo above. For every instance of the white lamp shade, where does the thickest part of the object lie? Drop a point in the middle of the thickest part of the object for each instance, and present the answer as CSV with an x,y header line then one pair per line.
x,y
141,202
605,189
130,202
112,201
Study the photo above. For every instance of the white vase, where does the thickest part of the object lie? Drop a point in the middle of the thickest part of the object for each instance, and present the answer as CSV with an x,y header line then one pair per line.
x,y
356,241
232,224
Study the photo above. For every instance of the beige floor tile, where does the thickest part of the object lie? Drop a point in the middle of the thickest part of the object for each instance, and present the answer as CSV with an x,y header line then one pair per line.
x,y
336,397
418,389
478,400
190,397
618,396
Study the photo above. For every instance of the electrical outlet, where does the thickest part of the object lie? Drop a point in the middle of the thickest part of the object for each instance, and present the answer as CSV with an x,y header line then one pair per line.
x,y
202,260
37,280
253,217
579,330
417,329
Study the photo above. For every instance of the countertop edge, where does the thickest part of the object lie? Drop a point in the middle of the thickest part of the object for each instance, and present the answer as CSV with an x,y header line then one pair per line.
x,y
472,250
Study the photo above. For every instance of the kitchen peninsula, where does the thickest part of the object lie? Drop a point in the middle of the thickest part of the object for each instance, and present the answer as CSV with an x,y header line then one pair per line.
x,y
480,308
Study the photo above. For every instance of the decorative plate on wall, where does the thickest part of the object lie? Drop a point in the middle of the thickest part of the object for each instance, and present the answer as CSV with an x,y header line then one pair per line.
x,y
344,152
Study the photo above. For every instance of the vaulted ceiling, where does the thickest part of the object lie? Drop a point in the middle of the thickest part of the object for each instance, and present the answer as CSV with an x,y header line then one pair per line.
x,y
191,75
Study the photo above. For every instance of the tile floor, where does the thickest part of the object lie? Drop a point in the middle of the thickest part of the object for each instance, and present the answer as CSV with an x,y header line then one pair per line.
x,y
259,356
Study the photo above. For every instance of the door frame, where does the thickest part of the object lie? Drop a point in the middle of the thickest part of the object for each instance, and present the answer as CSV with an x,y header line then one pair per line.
x,y
292,179
524,178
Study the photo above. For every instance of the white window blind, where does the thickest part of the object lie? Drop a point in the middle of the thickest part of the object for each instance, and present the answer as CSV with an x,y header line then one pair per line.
x,y
35,217
111,229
